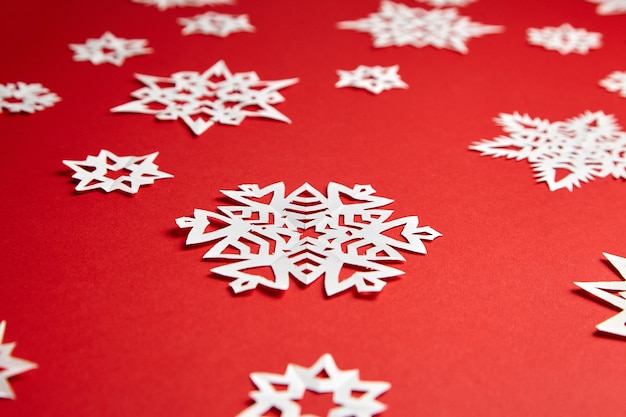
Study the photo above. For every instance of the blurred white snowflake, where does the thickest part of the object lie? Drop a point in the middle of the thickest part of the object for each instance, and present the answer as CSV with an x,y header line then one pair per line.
x,y
615,82
27,98
607,7
110,49
565,39
216,24
373,79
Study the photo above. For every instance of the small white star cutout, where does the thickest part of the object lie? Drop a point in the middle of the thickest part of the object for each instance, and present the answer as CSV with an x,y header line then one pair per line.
x,y
9,365
373,79
109,49
216,24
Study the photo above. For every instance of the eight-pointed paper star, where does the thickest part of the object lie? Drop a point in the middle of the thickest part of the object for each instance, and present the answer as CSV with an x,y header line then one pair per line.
x,y
9,365
565,39
27,98
217,24
203,99
92,172
614,293
109,48
615,82
166,4
607,7
373,79
352,396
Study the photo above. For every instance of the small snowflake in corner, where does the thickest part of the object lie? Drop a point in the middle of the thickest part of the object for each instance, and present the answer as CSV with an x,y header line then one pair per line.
x,y
281,392
373,79
607,7
396,24
217,24
615,82
99,172
446,3
27,98
9,365
166,4
614,293
110,49
565,39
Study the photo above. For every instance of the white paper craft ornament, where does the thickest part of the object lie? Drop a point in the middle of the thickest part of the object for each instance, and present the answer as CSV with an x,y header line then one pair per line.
x,y
607,7
564,39
108,48
9,365
26,98
615,82
166,4
216,24
373,79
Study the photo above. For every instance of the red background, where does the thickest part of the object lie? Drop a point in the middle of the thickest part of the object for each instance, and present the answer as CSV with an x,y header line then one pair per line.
x,y
99,290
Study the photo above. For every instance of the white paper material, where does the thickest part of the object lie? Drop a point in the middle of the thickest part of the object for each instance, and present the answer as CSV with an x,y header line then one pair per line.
x,y
166,4
608,7
373,79
202,99
615,82
564,39
298,380
306,235
446,3
10,365
614,293
26,98
92,172
396,24
108,48
216,24
588,146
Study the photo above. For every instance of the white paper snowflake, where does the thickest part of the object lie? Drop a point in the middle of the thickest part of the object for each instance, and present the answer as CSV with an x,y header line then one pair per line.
x,y
100,172
587,146
396,24
166,4
607,7
306,235
27,98
373,79
281,392
9,365
613,292
109,48
615,82
446,3
217,24
565,39
203,99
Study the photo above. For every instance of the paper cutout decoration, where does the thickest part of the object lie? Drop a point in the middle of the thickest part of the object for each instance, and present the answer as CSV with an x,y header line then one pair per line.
x,y
306,235
27,98
166,4
373,79
587,146
109,48
396,24
608,7
92,172
10,365
446,3
203,99
216,24
614,293
351,395
615,82
564,39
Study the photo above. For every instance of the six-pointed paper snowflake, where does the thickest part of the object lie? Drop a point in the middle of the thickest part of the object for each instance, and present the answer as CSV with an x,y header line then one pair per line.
x,y
203,99
98,172
446,3
165,4
9,365
217,24
613,292
587,146
373,79
615,82
606,7
27,98
565,39
352,396
306,235
109,48
396,24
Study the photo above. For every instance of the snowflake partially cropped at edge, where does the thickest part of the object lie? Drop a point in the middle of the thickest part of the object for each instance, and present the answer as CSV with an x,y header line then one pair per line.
x,y
565,39
396,24
306,235
585,147
613,292
9,365
27,98
166,4
109,48
217,24
351,395
608,7
373,79
446,3
615,82
92,172
203,99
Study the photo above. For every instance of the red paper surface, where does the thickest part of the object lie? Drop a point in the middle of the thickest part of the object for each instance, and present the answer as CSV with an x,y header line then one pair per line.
x,y
123,320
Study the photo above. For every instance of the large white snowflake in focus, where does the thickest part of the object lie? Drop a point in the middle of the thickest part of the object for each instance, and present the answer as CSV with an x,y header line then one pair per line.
x,y
446,3
110,49
373,79
217,24
615,82
582,148
607,7
166,4
352,396
203,99
306,235
27,98
565,39
9,365
396,24
98,172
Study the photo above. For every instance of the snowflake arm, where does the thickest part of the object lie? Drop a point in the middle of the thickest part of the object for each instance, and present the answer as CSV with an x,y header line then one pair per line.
x,y
27,98
166,4
216,24
609,7
109,49
615,82
10,365
564,39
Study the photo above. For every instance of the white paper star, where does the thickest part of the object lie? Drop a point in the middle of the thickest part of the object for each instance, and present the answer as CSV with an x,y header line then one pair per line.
x,y
217,24
446,3
27,98
92,172
396,24
9,365
203,99
615,82
607,7
614,293
166,4
373,79
565,39
109,48
352,396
